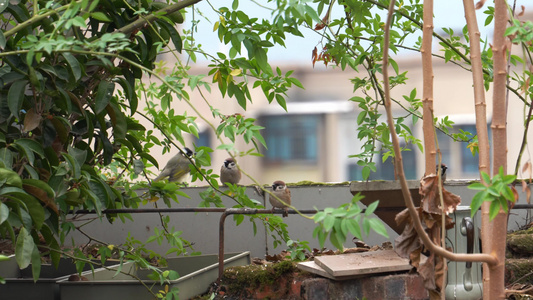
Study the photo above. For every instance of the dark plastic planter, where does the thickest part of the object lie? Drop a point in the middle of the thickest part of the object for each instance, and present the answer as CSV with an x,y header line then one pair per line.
x,y
196,274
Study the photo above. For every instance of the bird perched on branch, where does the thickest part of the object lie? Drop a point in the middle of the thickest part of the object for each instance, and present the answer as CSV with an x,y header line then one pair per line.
x,y
177,167
443,169
229,173
280,190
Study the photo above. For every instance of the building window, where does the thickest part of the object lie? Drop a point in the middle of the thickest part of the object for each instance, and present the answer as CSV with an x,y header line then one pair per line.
x,y
457,155
204,139
385,170
291,137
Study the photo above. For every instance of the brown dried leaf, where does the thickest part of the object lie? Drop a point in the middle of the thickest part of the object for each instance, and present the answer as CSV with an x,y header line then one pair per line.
x,y
430,199
515,194
41,195
320,26
480,4
314,56
403,217
355,250
361,244
416,258
408,241
427,271
526,168
528,195
521,13
32,120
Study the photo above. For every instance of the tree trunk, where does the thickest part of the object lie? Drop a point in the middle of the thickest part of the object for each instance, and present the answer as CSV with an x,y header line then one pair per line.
x,y
498,226
427,93
481,125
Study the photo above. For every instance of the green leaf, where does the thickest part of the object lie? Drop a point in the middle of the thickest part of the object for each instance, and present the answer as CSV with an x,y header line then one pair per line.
x,y
485,177
477,186
129,94
118,119
75,68
24,248
103,95
477,200
371,208
281,101
3,5
35,264
73,165
15,97
2,36
335,240
10,177
494,209
100,16
31,145
174,35
354,228
366,172
262,60
4,212
35,209
378,227
329,221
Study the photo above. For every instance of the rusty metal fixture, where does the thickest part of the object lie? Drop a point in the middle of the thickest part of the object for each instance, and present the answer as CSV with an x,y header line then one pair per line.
x,y
225,212
244,211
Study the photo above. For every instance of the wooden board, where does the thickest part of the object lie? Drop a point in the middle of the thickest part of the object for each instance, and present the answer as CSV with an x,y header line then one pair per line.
x,y
312,267
356,264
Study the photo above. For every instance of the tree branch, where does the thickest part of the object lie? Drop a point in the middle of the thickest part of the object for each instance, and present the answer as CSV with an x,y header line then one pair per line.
x,y
403,182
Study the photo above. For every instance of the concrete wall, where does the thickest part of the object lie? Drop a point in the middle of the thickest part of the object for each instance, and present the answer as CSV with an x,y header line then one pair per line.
x,y
203,228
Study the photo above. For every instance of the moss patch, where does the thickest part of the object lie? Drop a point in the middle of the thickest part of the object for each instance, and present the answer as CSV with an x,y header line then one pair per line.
x,y
254,276
520,243
274,280
519,271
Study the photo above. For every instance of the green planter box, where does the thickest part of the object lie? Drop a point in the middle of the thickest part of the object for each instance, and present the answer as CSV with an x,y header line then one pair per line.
x,y
196,274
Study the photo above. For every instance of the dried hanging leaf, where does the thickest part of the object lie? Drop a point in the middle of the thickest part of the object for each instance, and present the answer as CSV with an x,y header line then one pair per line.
x,y
521,13
408,242
325,20
31,121
321,25
429,191
516,196
409,245
480,4
526,168
314,56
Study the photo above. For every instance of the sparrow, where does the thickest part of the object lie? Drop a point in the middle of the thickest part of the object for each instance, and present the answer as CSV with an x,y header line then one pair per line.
x,y
177,167
229,173
443,168
280,190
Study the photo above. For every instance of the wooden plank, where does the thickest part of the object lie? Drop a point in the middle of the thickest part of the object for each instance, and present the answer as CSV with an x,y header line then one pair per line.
x,y
355,264
312,267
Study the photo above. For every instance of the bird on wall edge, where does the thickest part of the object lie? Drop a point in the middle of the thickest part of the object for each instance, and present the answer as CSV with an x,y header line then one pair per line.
x,y
229,173
280,190
177,167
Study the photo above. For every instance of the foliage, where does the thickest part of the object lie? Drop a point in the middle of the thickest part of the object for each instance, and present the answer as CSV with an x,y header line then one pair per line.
x,y
495,190
298,249
347,218
77,76
73,76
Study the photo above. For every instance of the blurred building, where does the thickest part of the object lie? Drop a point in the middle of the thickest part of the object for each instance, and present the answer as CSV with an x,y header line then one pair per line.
x,y
314,139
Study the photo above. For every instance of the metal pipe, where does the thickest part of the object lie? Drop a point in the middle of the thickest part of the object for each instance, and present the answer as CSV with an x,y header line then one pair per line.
x,y
151,210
